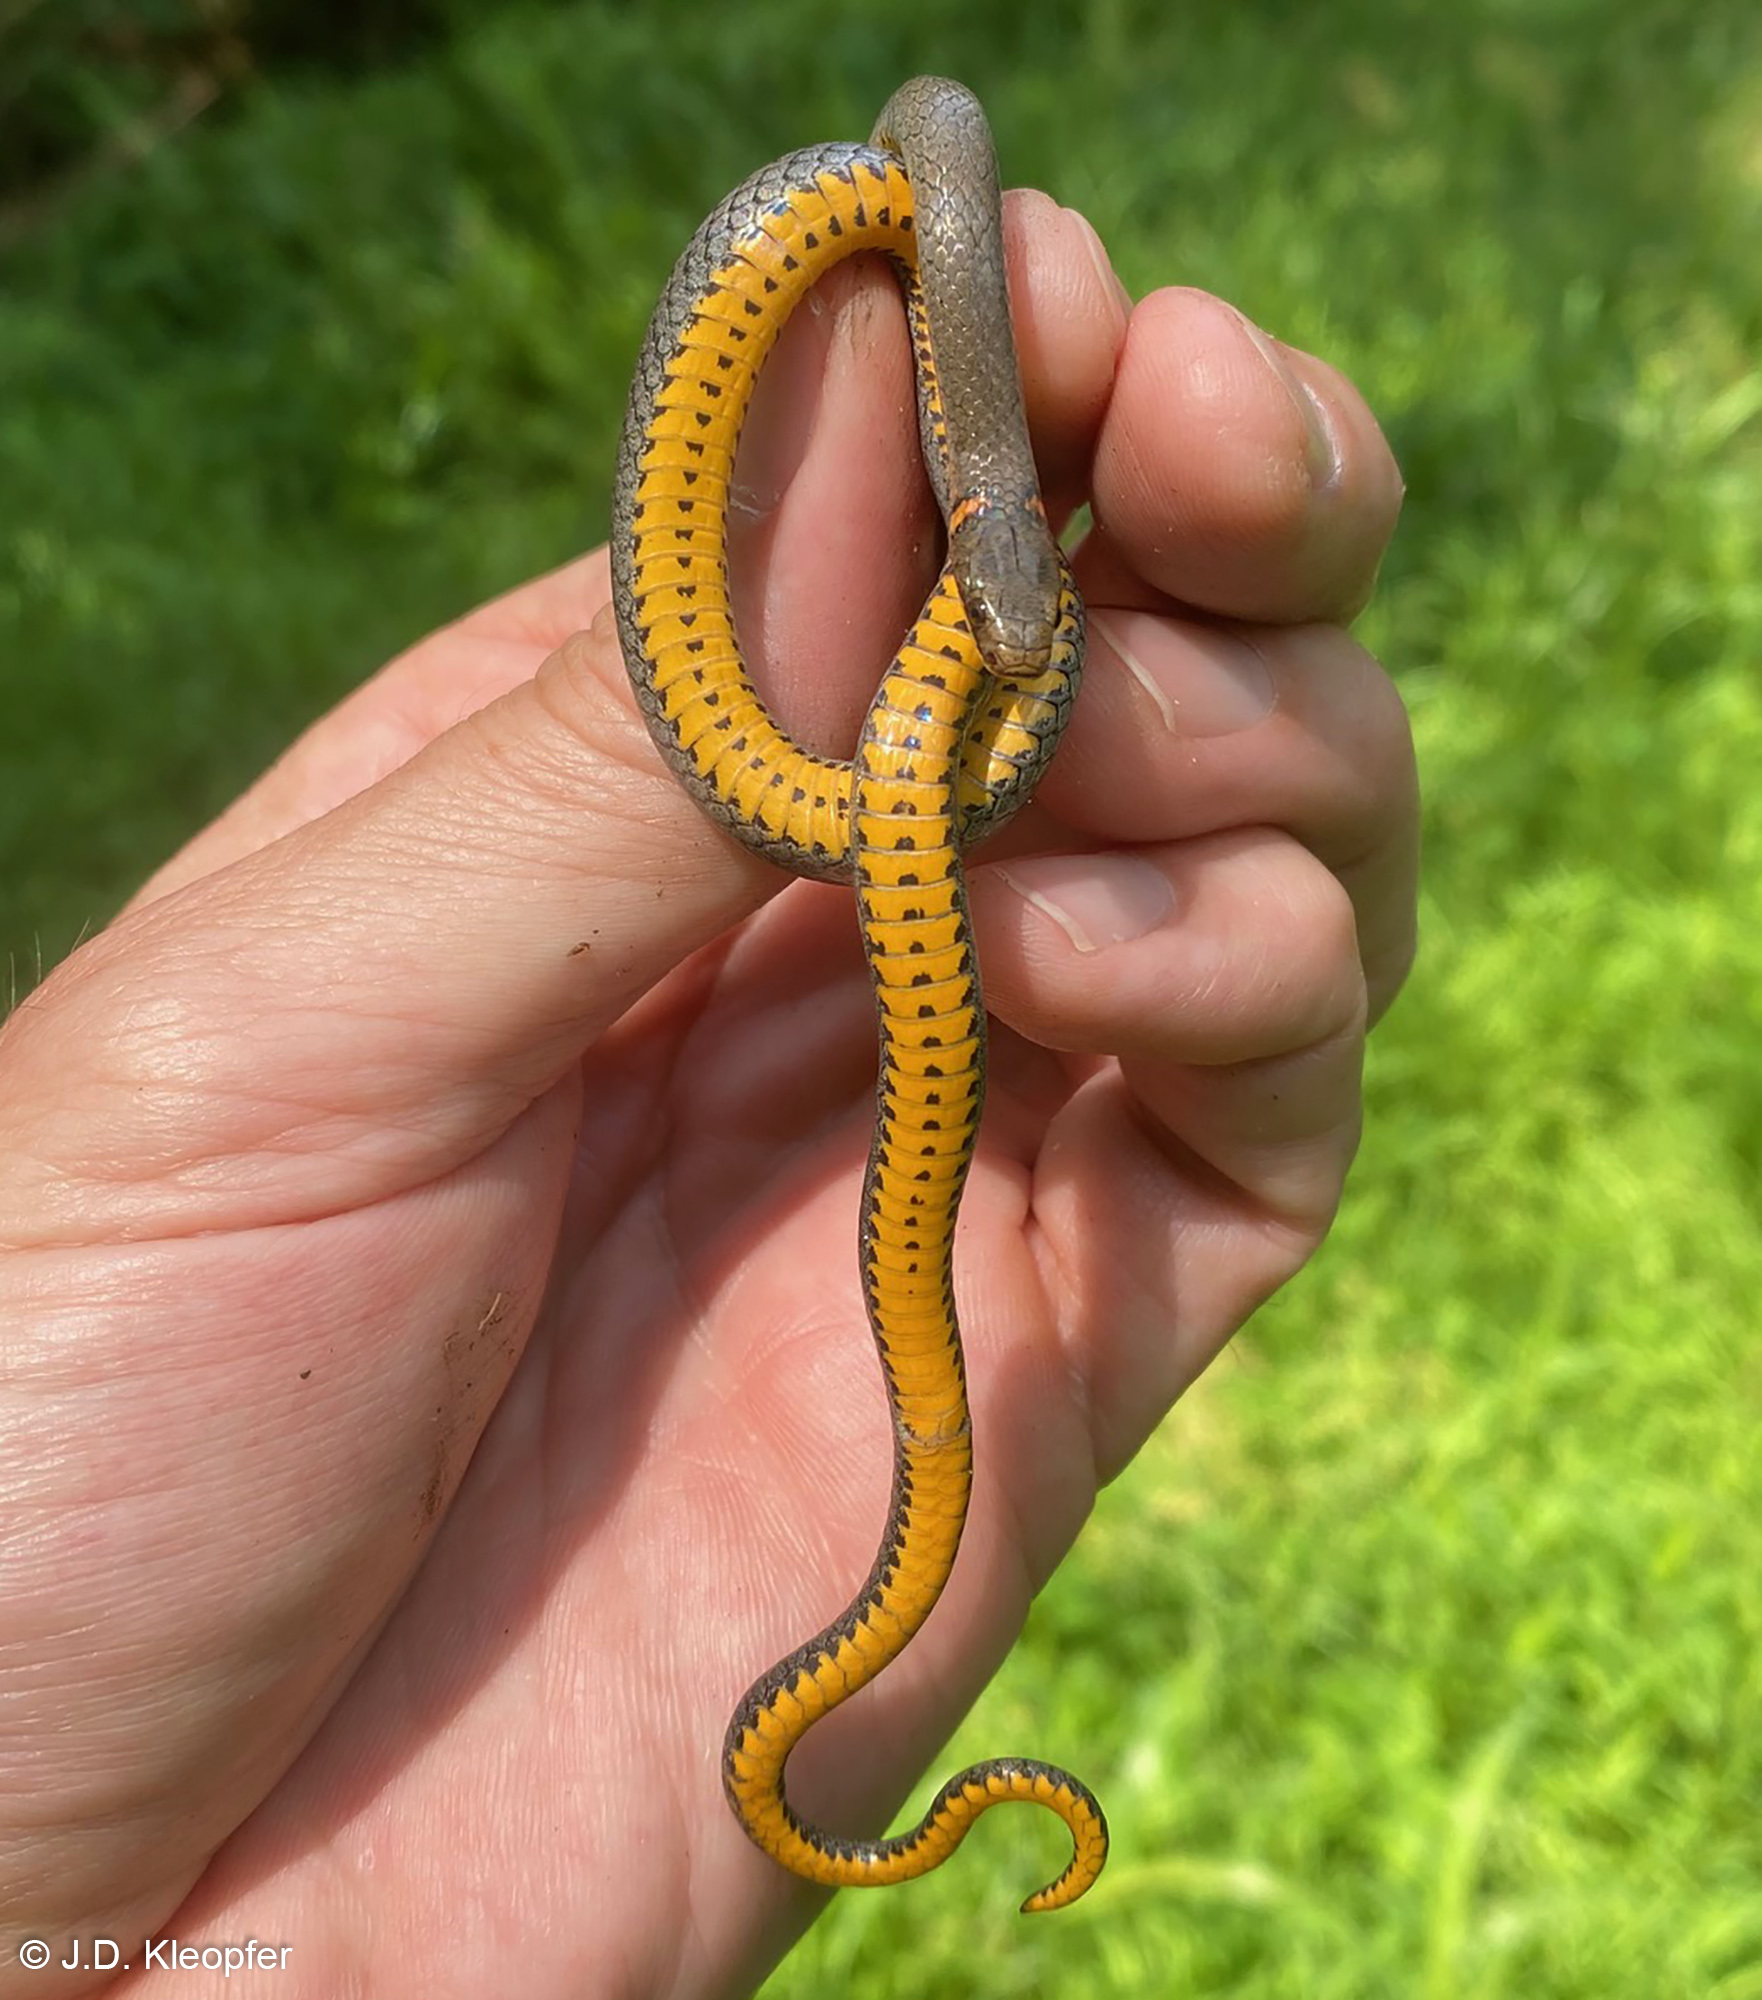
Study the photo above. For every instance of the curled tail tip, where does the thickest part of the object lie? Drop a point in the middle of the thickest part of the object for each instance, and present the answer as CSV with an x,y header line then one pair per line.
x,y
1078,1879
1078,1807
1048,1898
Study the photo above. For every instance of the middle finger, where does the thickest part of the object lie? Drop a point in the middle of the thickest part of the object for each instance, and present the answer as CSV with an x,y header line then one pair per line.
x,y
1186,730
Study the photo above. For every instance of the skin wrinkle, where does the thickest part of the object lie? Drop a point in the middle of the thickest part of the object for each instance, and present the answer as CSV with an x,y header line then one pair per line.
x,y
1057,1287
233,1049
815,1540
1139,1318
1300,1221
601,733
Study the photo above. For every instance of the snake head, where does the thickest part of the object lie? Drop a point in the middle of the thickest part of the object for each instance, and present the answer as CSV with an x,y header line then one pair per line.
x,y
1011,580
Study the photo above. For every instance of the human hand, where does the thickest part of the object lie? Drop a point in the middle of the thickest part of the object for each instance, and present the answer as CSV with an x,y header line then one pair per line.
x,y
435,1379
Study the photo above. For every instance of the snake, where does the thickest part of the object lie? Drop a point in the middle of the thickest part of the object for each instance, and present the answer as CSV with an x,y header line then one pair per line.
x,y
962,726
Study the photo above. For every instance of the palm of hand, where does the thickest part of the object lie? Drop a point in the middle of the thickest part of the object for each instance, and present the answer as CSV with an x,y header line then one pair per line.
x,y
688,1471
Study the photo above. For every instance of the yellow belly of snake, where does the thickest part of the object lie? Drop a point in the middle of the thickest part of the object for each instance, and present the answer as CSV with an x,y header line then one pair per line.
x,y
951,747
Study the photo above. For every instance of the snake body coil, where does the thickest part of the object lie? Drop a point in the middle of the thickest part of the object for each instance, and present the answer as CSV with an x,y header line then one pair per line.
x,y
964,722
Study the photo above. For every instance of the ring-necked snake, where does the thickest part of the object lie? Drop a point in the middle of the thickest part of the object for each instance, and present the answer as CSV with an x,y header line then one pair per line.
x,y
964,722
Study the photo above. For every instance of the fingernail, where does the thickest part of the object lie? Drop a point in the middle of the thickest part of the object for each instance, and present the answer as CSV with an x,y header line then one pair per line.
x,y
1321,448
1096,899
1204,679
1110,279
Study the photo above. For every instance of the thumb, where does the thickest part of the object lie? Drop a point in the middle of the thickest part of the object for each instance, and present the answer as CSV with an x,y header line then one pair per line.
x,y
375,996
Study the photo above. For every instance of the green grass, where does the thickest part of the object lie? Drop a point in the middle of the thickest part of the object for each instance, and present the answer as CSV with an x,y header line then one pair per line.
x,y
1422,1652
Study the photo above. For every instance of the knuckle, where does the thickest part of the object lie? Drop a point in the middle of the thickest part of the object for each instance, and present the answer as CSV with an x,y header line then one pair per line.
x,y
1326,975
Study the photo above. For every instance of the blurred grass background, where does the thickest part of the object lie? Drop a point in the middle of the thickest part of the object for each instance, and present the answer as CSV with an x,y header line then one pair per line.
x,y
1421,1654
